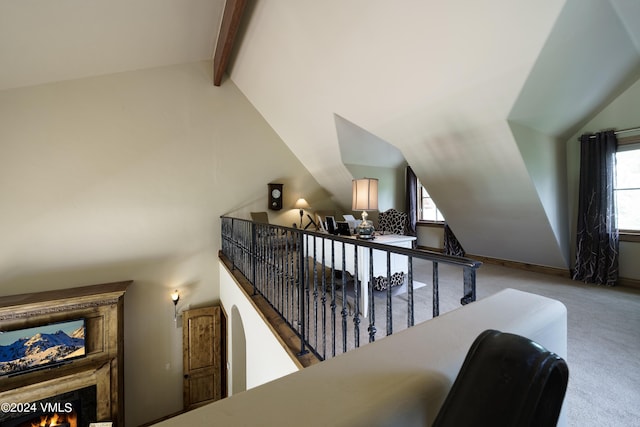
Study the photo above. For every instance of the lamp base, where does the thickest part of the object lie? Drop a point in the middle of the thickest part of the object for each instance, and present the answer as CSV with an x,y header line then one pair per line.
x,y
365,229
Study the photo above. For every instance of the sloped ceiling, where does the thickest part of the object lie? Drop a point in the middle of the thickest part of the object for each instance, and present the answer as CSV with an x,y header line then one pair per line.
x,y
44,41
477,96
456,86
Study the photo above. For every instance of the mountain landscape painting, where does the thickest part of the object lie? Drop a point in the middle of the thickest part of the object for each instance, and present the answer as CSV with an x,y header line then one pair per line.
x,y
32,348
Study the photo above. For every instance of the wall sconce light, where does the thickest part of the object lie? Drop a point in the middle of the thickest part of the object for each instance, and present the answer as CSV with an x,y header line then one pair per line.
x,y
175,297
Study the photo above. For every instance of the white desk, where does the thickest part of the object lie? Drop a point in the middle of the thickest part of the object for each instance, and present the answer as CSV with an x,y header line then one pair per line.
x,y
398,262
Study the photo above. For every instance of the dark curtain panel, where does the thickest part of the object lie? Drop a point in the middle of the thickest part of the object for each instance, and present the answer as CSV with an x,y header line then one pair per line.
x,y
597,234
451,244
411,201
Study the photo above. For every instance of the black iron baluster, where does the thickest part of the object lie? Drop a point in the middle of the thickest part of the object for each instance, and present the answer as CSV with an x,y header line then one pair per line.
x,y
273,259
301,316
372,305
287,273
264,278
436,291
315,294
290,280
389,304
233,263
294,267
307,278
356,303
324,302
344,300
410,316
254,243
333,299
270,284
282,247
295,288
264,259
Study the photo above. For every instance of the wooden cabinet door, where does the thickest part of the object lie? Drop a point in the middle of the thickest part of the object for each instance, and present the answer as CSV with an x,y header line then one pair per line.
x,y
201,346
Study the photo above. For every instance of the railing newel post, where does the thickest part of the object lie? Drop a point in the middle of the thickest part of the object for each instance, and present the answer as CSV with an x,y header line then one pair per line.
x,y
469,285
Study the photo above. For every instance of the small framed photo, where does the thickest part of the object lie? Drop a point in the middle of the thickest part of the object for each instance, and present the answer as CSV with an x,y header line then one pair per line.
x,y
331,224
343,228
321,225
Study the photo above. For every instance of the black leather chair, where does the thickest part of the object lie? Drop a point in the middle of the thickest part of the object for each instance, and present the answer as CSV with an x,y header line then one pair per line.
x,y
506,380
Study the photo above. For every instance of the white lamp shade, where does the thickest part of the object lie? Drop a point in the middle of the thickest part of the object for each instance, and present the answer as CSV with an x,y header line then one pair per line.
x,y
301,204
365,194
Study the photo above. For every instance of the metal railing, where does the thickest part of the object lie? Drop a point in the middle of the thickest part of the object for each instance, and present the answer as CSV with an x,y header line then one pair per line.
x,y
320,283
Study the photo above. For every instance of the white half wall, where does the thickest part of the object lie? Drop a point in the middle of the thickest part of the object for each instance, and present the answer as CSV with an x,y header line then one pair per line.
x,y
265,357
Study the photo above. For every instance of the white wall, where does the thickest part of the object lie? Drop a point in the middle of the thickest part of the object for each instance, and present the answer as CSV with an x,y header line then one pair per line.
x,y
264,358
546,160
430,237
125,176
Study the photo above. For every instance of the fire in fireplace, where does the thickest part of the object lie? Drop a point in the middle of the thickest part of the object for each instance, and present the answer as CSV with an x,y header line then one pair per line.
x,y
73,409
57,420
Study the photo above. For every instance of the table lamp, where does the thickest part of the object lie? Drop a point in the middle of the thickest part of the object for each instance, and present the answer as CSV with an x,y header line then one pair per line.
x,y
365,198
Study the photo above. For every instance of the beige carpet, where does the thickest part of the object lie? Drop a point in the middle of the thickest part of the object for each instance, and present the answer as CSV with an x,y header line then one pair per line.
x,y
603,334
603,339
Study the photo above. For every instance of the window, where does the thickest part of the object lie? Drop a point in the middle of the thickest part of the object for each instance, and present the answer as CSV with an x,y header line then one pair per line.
x,y
628,186
427,209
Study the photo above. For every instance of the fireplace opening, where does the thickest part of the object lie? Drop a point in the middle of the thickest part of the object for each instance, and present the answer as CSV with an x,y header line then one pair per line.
x,y
56,419
76,408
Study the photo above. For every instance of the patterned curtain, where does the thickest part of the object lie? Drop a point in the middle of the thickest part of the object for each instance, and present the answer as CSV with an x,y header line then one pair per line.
x,y
451,244
597,235
411,201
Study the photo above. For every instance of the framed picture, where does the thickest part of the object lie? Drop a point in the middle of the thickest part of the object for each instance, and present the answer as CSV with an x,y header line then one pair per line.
x,y
343,228
331,224
353,223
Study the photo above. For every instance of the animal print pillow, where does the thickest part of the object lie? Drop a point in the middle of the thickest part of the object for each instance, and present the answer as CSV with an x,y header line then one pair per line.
x,y
392,221
380,282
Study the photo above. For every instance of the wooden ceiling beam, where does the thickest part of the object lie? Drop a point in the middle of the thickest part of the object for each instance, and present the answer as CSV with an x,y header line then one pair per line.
x,y
231,17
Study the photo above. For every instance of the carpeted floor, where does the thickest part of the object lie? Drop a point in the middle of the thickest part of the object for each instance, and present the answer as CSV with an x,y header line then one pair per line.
x,y
603,338
603,333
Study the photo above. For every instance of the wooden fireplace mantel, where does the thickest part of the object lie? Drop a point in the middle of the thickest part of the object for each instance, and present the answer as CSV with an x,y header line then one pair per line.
x,y
102,308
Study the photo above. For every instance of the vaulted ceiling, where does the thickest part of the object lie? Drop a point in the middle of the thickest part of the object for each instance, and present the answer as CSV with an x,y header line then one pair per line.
x,y
479,97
